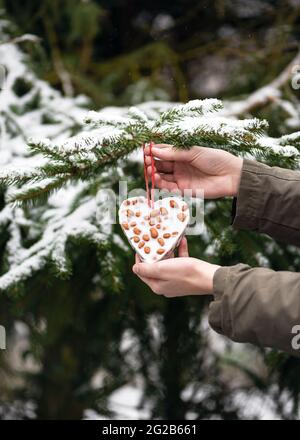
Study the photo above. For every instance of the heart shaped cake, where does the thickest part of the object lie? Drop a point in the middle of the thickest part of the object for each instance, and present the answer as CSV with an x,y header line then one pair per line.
x,y
154,232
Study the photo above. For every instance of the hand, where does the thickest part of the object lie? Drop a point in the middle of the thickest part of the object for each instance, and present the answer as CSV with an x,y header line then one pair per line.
x,y
177,276
215,171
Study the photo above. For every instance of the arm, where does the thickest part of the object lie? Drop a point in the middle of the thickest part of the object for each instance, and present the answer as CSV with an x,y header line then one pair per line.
x,y
250,305
268,201
256,305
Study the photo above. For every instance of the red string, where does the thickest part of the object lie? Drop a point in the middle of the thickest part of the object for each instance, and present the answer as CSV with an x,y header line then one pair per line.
x,y
146,177
150,196
152,175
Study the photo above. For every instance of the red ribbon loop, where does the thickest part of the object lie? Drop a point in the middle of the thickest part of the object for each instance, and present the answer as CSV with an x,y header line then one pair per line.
x,y
150,195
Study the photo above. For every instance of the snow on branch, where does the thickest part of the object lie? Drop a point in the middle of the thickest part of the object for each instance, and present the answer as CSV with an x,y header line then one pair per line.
x,y
114,136
266,94
51,247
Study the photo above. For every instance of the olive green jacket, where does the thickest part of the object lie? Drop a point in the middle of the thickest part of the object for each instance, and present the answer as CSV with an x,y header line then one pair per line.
x,y
259,305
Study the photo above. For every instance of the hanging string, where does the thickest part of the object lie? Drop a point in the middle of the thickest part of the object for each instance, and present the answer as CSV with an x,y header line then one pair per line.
x,y
150,195
146,177
152,175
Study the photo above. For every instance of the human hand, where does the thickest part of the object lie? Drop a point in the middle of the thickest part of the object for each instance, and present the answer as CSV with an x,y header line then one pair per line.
x,y
215,171
180,276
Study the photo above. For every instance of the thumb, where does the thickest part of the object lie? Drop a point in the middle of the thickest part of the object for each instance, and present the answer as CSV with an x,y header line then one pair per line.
x,y
147,270
169,152
183,250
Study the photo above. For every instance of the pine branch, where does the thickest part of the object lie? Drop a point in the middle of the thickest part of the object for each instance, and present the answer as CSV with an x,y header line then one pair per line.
x,y
38,190
51,247
85,155
266,94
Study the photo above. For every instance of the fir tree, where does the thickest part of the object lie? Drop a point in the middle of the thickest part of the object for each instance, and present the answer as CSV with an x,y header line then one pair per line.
x,y
89,335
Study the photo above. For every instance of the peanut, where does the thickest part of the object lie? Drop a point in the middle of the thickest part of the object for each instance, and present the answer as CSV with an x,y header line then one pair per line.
x,y
125,226
132,224
137,231
181,216
146,237
147,250
147,217
152,222
154,213
163,211
130,213
136,239
173,204
167,235
138,213
141,244
158,226
174,233
160,251
153,232
161,241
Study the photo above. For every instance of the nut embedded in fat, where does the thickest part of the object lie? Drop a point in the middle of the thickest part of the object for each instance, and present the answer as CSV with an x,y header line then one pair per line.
x,y
181,216
153,232
163,211
154,213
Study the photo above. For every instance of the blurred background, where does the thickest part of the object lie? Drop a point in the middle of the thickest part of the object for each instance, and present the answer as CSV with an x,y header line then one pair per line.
x,y
94,348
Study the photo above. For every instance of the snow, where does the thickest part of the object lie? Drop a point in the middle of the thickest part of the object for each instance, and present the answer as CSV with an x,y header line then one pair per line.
x,y
61,217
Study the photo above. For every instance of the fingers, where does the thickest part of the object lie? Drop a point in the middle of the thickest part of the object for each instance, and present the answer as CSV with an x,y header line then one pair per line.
x,y
167,152
153,283
148,270
162,183
164,166
183,250
160,165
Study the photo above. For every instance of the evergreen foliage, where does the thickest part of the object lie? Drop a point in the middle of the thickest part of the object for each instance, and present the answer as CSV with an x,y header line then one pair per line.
x,y
91,328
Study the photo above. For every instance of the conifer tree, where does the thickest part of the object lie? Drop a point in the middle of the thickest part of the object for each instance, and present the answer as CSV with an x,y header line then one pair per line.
x,y
88,335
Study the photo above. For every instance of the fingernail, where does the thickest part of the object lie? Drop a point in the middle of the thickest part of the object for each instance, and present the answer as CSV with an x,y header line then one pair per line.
x,y
135,269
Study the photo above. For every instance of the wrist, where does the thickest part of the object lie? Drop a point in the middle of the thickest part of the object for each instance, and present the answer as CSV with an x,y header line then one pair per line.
x,y
236,176
205,274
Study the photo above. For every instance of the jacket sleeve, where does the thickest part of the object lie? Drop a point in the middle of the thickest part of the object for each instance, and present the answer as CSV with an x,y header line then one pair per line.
x,y
268,201
257,305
